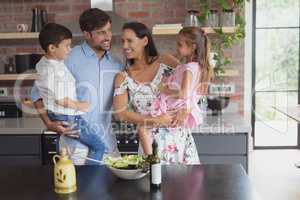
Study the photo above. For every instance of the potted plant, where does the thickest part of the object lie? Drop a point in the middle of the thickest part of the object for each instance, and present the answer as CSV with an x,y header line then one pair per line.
x,y
218,97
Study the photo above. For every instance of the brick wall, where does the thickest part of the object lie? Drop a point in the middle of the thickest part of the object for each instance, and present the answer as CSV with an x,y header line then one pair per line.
x,y
150,12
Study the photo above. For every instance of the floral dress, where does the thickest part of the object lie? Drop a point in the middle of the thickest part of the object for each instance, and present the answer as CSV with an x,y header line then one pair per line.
x,y
175,145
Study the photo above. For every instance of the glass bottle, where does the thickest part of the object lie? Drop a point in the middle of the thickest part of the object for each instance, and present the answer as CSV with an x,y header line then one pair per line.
x,y
155,167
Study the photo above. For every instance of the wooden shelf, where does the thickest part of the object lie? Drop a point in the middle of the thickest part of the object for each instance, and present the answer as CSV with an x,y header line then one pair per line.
x,y
13,77
27,35
175,30
230,72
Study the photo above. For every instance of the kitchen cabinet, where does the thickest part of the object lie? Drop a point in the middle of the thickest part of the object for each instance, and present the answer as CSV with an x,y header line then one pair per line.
x,y
223,148
223,139
20,141
20,149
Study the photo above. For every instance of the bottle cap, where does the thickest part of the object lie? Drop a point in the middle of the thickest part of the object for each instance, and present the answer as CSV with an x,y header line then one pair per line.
x,y
63,152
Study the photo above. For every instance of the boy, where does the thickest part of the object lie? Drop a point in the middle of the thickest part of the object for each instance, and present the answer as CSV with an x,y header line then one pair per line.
x,y
58,91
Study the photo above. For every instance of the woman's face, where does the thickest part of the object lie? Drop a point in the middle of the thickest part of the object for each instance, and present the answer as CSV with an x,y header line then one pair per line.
x,y
133,46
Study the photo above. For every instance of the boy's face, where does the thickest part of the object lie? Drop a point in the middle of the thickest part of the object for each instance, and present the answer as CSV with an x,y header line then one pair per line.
x,y
61,51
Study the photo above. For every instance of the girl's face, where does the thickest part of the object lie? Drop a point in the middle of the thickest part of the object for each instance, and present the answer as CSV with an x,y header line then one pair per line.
x,y
133,46
183,49
62,50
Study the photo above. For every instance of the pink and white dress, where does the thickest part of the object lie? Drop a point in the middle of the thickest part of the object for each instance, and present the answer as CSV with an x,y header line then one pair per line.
x,y
175,145
164,103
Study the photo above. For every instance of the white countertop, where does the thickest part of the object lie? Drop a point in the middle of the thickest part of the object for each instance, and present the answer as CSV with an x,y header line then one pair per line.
x,y
21,126
223,124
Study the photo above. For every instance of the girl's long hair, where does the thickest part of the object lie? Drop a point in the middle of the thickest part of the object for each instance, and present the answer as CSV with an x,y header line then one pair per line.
x,y
141,31
196,36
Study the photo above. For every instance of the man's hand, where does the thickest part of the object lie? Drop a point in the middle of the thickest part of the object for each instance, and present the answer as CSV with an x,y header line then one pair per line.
x,y
62,128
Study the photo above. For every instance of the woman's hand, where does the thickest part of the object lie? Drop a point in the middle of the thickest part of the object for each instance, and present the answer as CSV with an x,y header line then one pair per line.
x,y
164,120
180,117
163,87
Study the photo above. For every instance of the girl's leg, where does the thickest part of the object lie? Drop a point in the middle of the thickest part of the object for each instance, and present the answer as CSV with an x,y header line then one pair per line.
x,y
145,140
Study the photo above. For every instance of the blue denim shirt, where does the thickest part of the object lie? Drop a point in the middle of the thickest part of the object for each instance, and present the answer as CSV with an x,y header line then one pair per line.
x,y
94,83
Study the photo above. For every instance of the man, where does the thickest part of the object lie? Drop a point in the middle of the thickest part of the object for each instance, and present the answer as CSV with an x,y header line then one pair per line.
x,y
94,69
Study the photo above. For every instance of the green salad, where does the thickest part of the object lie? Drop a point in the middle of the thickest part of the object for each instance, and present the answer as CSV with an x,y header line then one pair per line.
x,y
126,162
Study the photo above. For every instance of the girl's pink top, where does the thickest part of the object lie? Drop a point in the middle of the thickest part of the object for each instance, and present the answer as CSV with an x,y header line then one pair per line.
x,y
163,103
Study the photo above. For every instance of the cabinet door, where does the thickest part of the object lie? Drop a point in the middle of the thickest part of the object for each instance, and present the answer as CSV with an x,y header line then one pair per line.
x,y
221,144
20,160
20,149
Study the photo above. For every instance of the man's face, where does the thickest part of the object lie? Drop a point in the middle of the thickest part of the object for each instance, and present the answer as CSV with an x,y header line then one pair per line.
x,y
100,39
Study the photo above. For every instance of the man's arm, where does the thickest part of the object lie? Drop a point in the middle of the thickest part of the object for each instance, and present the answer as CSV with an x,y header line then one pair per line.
x,y
55,126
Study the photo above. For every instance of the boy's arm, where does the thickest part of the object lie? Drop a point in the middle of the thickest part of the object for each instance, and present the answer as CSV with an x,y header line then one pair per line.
x,y
77,105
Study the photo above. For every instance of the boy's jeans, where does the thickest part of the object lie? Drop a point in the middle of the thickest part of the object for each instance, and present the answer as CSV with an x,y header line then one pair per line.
x,y
88,135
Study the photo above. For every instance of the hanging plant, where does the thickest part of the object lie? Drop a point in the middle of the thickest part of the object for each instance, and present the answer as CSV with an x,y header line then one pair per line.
x,y
224,40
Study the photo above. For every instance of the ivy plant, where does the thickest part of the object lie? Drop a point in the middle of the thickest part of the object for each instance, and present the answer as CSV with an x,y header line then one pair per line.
x,y
224,40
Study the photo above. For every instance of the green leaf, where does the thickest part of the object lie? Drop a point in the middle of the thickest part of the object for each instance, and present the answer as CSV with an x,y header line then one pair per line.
x,y
224,4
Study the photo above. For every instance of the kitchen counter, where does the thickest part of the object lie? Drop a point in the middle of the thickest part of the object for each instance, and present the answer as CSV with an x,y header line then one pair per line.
x,y
223,124
205,182
21,126
226,123
219,139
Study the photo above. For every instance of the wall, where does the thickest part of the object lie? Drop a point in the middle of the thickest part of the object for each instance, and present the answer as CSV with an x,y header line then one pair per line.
x,y
149,12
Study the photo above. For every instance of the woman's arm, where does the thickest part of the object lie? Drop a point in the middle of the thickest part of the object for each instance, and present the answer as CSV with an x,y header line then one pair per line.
x,y
121,112
170,60
77,105
183,91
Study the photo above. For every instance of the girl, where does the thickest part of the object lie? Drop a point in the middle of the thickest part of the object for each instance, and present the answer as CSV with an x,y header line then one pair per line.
x,y
180,92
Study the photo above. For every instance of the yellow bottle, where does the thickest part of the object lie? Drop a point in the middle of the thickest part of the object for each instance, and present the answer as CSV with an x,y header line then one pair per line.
x,y
64,174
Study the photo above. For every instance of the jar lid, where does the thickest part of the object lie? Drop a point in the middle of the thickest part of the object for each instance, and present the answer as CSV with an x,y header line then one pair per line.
x,y
213,10
193,11
227,10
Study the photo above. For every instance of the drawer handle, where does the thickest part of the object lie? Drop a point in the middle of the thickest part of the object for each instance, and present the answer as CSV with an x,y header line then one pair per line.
x,y
51,152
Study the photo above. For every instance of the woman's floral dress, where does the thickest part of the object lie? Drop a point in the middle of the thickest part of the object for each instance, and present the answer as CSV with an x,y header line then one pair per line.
x,y
175,145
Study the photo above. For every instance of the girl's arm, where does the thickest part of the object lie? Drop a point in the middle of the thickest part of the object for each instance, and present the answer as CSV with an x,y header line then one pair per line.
x,y
121,112
183,91
77,105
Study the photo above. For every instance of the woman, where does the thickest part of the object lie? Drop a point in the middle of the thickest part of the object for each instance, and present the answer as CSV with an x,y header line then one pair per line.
x,y
139,83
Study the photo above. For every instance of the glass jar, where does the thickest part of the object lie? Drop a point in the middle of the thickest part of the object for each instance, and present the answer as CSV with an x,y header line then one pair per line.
x,y
192,18
228,17
213,18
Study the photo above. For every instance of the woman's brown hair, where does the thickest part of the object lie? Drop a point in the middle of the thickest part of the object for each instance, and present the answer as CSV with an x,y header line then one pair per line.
x,y
196,36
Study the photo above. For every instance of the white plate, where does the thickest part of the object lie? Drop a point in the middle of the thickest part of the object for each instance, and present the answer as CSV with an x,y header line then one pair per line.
x,y
128,174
